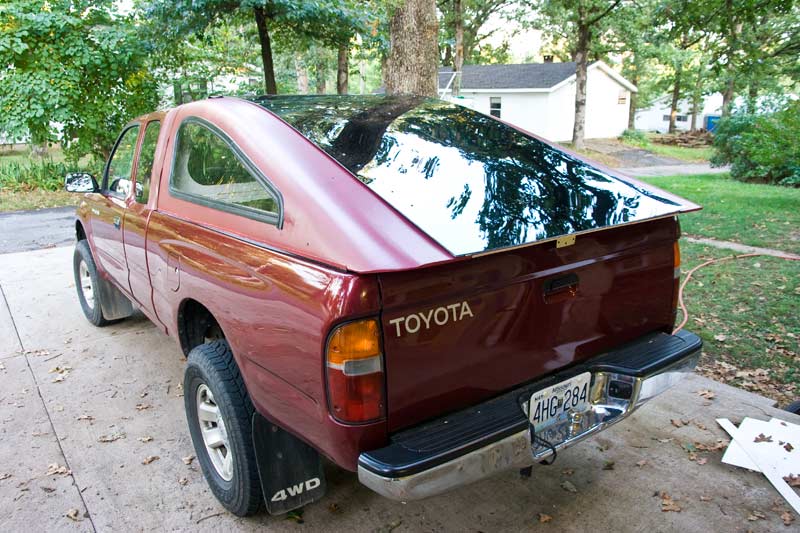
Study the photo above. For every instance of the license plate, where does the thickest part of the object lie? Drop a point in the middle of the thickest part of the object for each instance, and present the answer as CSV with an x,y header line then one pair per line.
x,y
554,403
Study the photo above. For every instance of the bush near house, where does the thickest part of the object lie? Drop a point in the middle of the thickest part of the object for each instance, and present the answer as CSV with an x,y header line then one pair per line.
x,y
761,148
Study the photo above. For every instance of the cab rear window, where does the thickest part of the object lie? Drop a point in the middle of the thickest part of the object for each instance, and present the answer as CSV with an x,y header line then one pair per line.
x,y
208,169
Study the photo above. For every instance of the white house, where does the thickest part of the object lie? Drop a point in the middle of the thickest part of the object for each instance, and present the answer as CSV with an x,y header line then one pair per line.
x,y
656,117
540,97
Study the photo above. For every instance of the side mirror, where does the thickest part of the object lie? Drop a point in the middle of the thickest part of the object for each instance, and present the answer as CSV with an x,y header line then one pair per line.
x,y
80,182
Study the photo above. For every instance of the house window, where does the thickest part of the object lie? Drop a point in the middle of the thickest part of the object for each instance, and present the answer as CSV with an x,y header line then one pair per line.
x,y
622,98
495,106
682,118
665,118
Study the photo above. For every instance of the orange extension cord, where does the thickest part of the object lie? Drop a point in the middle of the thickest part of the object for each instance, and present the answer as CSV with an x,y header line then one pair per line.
x,y
701,265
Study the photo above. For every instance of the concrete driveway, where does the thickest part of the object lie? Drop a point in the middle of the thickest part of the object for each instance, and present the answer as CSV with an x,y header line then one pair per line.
x,y
91,405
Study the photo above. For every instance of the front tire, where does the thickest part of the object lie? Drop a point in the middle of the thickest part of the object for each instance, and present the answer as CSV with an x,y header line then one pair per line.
x,y
87,282
219,413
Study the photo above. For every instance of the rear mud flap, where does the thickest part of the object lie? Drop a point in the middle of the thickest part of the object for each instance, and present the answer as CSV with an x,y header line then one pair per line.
x,y
114,304
290,470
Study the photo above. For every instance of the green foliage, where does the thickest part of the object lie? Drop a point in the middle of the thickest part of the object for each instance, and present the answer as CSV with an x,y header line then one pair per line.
x,y
47,175
761,147
635,137
73,64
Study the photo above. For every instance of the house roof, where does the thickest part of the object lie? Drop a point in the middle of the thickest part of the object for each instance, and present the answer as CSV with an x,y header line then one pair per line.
x,y
542,77
520,76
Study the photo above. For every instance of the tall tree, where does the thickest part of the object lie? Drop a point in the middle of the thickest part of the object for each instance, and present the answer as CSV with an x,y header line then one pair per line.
x,y
582,23
412,63
473,16
329,22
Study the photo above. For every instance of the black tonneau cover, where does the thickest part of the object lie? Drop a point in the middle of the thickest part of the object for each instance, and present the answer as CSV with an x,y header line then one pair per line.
x,y
472,183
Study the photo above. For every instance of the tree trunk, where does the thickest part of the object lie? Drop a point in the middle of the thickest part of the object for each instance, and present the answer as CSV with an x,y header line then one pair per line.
x,y
319,75
752,97
581,64
676,96
727,97
343,69
362,74
632,104
411,67
697,98
458,60
302,75
266,50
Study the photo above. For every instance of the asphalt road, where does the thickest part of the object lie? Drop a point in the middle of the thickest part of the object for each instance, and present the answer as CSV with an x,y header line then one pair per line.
x,y
21,231
92,426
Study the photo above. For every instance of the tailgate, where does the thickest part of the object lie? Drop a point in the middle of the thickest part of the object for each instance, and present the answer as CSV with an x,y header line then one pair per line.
x,y
465,331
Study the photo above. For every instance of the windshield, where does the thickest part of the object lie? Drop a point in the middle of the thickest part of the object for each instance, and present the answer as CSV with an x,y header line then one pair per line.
x,y
471,182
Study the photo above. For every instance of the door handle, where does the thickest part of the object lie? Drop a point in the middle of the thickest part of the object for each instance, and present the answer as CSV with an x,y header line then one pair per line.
x,y
117,222
561,289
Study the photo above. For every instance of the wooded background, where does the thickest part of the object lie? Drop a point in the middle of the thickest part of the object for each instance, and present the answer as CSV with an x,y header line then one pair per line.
x,y
77,70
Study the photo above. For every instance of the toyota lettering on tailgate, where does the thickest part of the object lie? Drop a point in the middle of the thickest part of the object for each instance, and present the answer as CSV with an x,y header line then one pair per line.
x,y
439,316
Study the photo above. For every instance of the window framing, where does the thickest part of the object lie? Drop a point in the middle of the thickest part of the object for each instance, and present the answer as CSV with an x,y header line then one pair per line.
x,y
275,219
104,190
496,105
136,181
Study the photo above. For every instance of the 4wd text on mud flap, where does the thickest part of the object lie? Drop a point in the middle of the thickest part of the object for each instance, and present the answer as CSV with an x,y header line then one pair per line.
x,y
294,490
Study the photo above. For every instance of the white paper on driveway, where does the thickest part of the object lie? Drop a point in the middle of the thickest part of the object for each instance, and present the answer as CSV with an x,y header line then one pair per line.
x,y
776,455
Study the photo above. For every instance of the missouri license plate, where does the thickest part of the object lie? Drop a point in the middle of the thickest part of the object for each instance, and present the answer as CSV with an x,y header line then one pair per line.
x,y
556,402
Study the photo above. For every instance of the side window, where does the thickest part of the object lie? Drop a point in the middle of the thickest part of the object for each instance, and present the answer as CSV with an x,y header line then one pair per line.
x,y
207,169
146,158
495,106
117,180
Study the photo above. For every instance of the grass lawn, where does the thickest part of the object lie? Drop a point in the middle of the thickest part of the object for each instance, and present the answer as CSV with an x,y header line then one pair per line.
x,y
748,213
747,310
693,155
748,313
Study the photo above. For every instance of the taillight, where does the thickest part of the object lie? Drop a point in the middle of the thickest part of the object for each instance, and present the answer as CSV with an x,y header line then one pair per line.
x,y
676,275
355,372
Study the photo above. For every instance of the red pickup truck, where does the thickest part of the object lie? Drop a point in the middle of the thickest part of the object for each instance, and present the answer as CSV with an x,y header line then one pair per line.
x,y
416,291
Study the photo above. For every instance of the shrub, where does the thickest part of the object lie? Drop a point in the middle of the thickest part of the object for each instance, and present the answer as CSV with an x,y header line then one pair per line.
x,y
47,175
761,148
635,137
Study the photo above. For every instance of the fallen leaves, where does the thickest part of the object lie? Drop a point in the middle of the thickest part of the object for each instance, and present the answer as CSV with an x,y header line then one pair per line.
x,y
678,423
183,481
608,465
641,463
787,518
4,476
62,371
56,469
668,504
146,438
111,438
705,498
74,515
87,418
793,480
788,447
707,394
762,438
143,406
756,515
188,459
567,471
150,458
569,487
720,337
544,518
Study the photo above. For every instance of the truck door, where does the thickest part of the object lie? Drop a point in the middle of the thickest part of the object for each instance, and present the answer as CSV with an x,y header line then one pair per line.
x,y
137,215
109,214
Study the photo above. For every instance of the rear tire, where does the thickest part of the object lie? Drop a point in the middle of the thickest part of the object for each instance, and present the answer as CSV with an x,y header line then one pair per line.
x,y
219,413
87,284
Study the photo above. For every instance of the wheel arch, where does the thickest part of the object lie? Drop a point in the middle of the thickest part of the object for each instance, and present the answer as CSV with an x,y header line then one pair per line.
x,y
196,323
80,232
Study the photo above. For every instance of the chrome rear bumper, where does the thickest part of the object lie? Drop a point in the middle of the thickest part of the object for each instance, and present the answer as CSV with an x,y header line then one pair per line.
x,y
515,451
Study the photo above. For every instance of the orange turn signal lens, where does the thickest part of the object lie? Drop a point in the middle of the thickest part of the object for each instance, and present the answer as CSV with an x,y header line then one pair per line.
x,y
676,255
356,385
355,340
